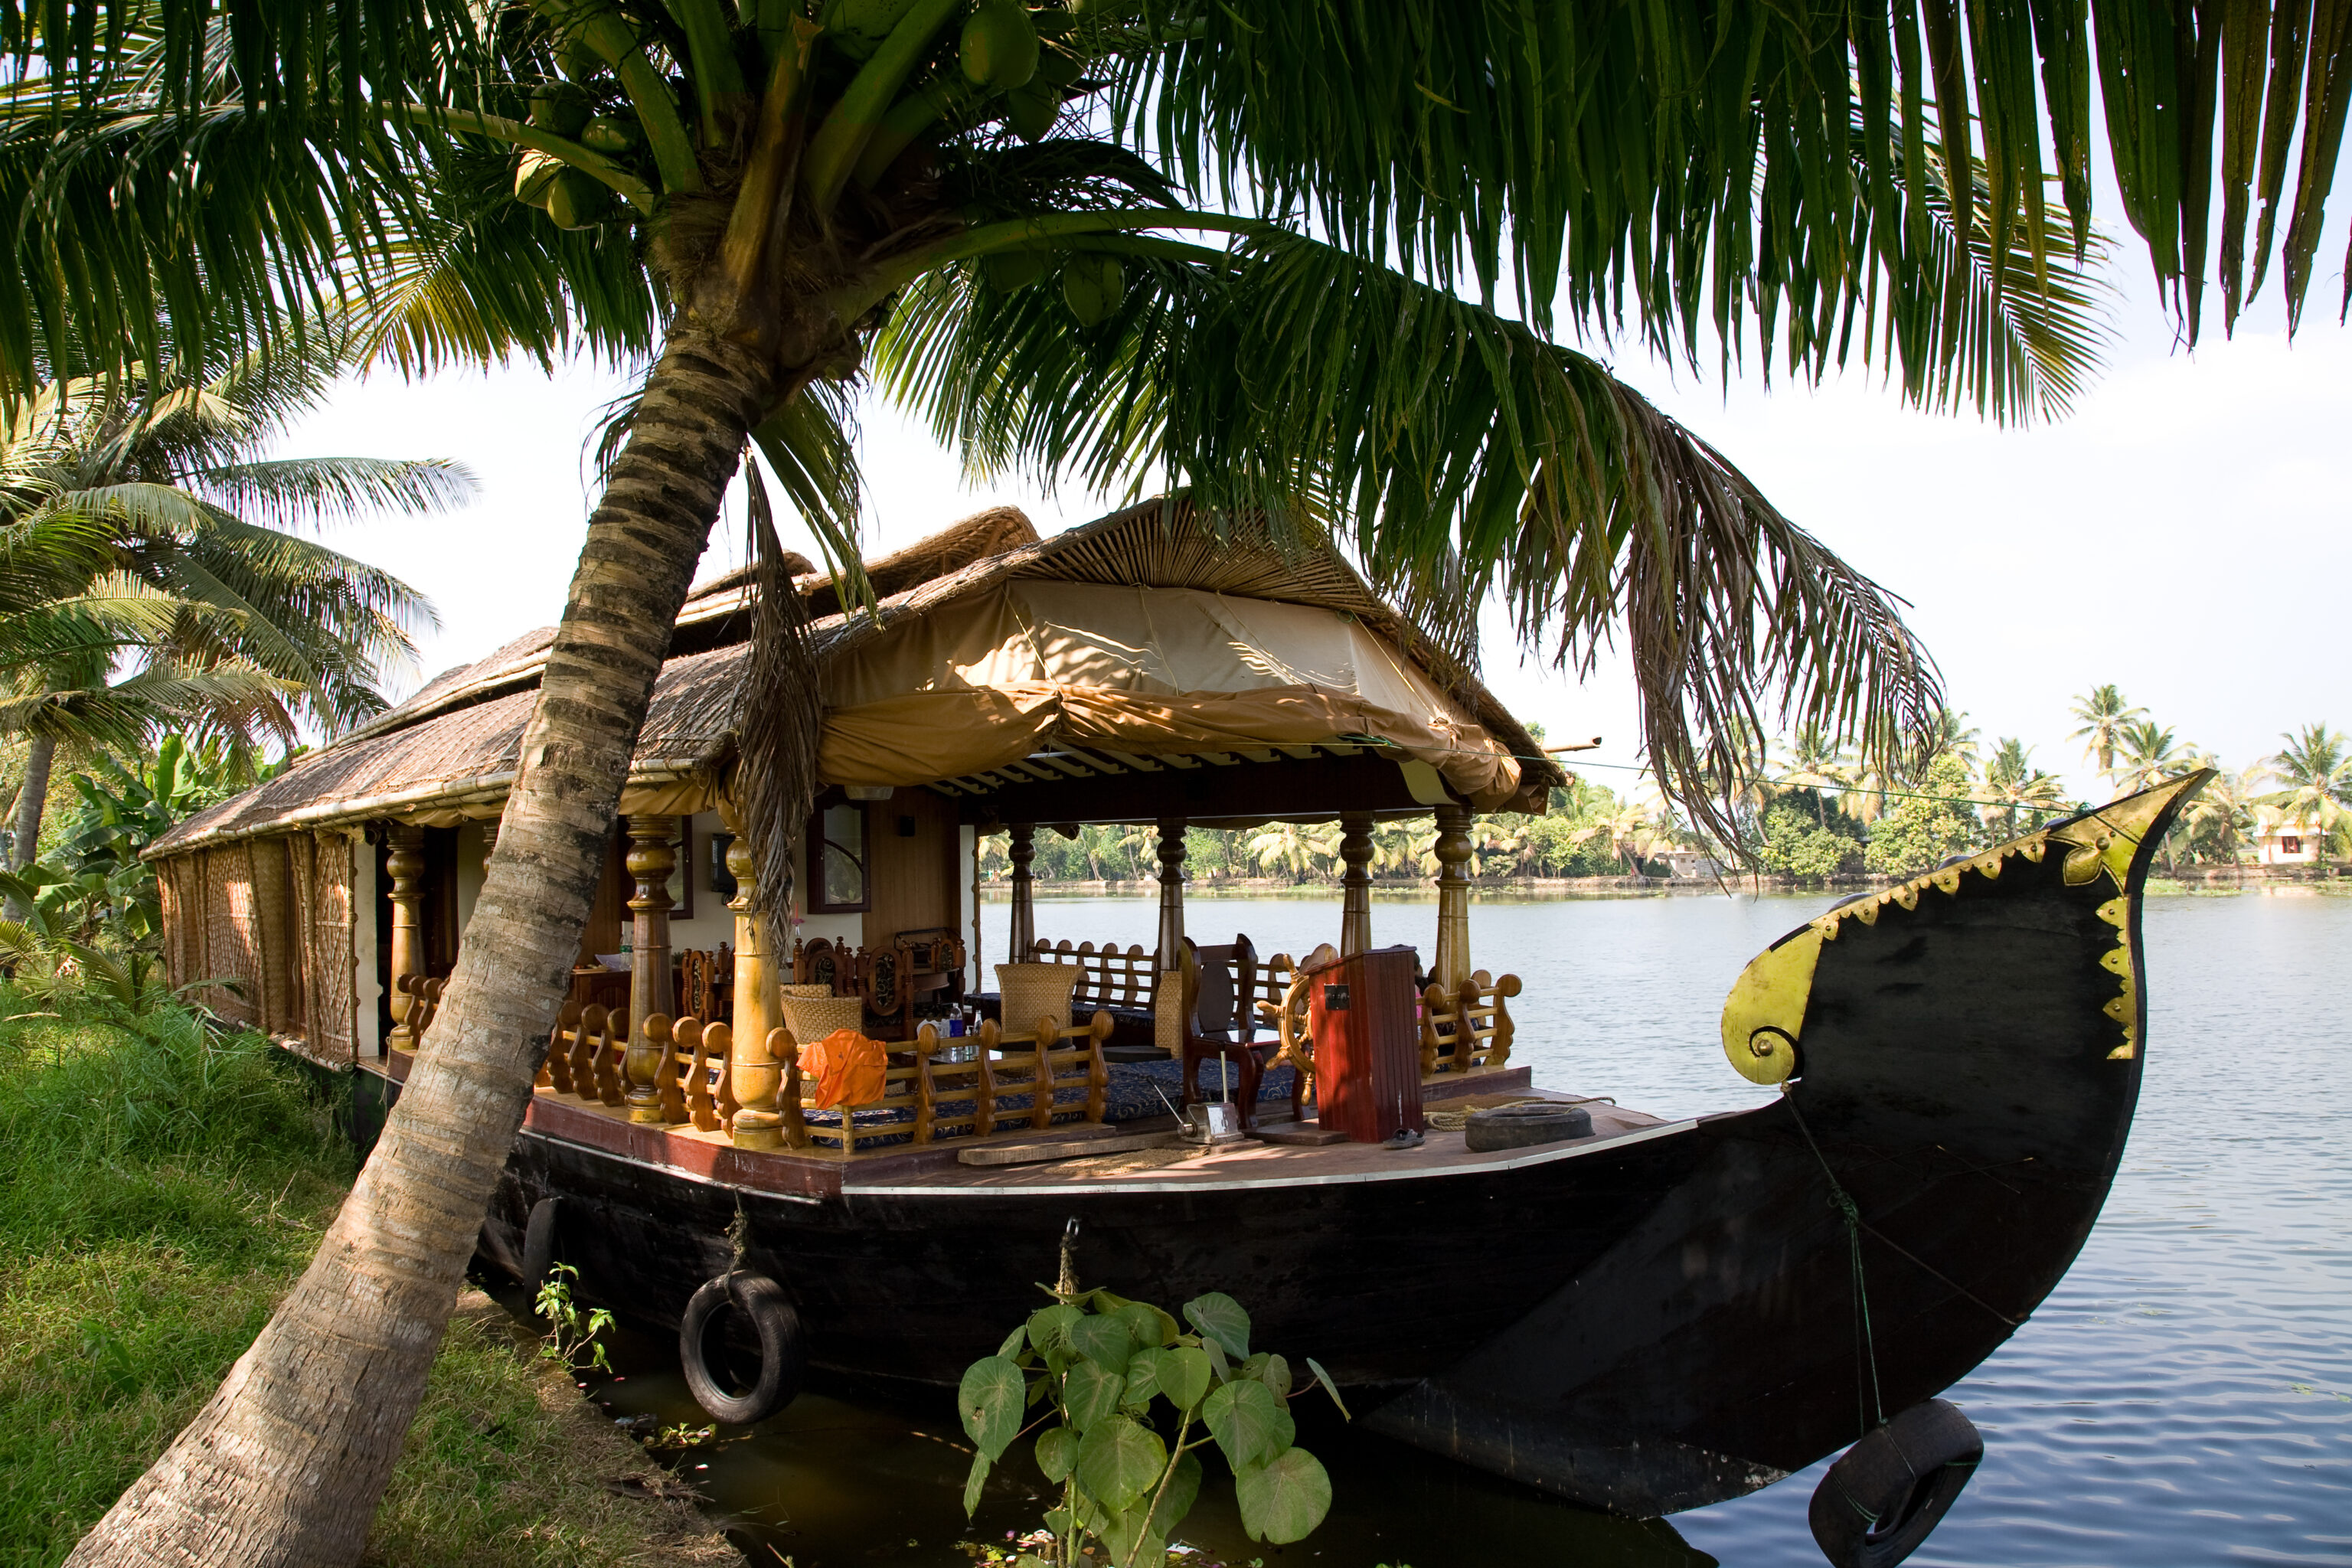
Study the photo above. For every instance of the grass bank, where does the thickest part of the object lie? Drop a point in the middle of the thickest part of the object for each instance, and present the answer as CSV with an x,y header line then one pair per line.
x,y
160,1189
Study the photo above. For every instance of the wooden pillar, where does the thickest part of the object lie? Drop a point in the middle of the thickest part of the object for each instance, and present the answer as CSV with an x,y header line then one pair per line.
x,y
751,1072
1356,898
1021,848
652,858
405,867
1451,967
1170,958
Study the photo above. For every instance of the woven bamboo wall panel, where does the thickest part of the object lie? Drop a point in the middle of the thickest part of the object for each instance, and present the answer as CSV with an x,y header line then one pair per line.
x,y
330,980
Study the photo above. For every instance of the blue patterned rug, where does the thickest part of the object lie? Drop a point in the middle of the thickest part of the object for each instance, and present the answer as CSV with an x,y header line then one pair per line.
x,y
1136,1088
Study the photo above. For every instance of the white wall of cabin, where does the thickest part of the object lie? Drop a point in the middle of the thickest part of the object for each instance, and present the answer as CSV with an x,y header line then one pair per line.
x,y
967,839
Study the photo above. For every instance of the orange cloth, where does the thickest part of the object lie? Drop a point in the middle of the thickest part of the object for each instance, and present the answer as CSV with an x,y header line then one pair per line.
x,y
846,1068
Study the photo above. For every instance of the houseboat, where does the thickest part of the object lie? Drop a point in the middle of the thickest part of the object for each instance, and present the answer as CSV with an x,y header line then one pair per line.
x,y
1644,1313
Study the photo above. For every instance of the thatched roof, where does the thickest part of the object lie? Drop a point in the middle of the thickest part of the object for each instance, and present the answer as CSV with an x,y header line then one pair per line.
x,y
450,751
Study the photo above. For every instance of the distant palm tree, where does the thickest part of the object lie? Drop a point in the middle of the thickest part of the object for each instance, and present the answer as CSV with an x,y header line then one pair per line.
x,y
2315,766
2148,754
2217,823
2019,786
1952,736
2103,713
1813,761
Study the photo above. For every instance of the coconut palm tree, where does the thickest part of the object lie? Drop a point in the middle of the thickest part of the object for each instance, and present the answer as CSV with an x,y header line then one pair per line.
x,y
2147,752
2103,713
157,571
1813,761
2019,788
1003,213
2315,766
2217,825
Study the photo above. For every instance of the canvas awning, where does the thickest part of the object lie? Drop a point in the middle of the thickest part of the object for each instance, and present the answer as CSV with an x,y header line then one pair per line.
x,y
990,677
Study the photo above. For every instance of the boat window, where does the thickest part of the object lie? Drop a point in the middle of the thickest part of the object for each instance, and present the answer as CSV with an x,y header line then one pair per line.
x,y
837,860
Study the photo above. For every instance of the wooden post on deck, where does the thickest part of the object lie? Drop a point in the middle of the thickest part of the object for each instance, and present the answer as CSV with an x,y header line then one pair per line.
x,y
1355,896
652,858
751,1070
405,867
1021,848
1451,967
1170,958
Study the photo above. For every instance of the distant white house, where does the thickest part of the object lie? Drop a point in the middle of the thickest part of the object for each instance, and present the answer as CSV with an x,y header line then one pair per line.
x,y
1690,864
2290,844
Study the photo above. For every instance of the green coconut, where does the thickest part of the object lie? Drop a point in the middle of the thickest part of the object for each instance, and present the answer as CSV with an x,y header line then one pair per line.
x,y
1092,286
609,134
560,107
577,200
1010,269
1031,109
535,174
1000,46
858,27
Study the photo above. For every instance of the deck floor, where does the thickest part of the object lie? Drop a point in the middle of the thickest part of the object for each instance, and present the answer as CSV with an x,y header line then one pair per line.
x,y
1166,1165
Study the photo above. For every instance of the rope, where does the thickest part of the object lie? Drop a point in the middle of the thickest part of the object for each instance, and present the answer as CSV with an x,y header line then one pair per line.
x,y
1865,1346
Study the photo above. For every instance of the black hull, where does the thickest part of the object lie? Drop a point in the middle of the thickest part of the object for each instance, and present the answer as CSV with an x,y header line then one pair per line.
x,y
1646,1324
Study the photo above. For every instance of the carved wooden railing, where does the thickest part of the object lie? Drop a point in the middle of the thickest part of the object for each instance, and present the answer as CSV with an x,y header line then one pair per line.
x,y
1108,976
946,1099
424,1004
676,1072
1470,1030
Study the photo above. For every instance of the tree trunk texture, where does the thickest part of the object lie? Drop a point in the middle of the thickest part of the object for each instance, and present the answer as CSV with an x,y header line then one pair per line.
x,y
32,796
24,833
286,1463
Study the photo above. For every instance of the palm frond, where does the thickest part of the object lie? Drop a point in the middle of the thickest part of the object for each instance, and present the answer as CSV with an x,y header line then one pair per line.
x,y
317,492
1457,452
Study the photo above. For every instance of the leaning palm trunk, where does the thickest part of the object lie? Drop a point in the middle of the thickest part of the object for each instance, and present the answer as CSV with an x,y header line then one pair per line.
x,y
32,796
337,1375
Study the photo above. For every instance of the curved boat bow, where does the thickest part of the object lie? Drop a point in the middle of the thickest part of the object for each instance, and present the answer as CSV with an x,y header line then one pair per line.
x,y
1958,1059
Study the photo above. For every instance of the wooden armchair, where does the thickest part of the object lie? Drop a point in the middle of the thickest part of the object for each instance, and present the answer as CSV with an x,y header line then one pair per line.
x,y
1219,1023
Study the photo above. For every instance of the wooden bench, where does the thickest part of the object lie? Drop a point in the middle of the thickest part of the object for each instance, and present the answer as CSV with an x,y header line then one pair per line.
x,y
1108,976
923,1083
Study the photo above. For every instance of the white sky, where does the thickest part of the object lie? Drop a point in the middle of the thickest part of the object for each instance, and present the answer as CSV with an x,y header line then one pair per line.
x,y
2183,534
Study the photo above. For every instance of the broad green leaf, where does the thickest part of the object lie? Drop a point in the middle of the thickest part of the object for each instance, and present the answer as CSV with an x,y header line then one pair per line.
x,y
1128,1538
1329,1387
1106,1302
1148,1323
1270,1370
1185,1374
1104,1340
973,1482
1217,1362
1059,1520
1285,1498
991,1399
1118,1460
1183,1489
1143,1375
1091,1391
1248,1422
1049,1328
1220,1318
1014,1342
1057,1450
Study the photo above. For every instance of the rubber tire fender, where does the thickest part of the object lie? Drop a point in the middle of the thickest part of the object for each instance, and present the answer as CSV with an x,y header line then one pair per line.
x,y
539,1243
784,1349
1883,1496
1524,1126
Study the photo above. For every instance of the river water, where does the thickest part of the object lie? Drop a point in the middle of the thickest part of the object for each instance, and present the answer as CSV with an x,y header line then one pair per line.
x,y
2185,1396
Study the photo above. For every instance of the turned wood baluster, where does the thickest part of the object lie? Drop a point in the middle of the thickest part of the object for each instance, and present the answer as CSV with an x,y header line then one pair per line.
x,y
753,1074
1434,1003
651,859
1451,965
1049,1035
684,1039
609,1050
785,1052
555,1073
927,1040
1097,1070
405,866
1356,896
991,1039
641,1065
584,1050
1021,849
719,1040
700,1109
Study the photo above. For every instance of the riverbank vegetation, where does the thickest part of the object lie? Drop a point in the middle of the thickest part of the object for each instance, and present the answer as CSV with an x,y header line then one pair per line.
x,y
164,1185
1814,814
